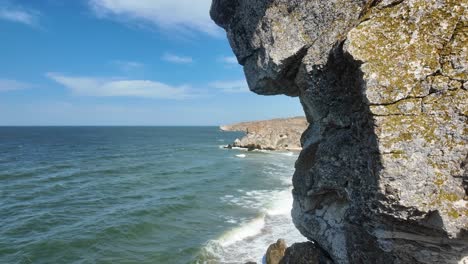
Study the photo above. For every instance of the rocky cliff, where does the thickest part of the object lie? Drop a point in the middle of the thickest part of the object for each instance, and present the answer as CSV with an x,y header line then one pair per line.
x,y
383,83
274,134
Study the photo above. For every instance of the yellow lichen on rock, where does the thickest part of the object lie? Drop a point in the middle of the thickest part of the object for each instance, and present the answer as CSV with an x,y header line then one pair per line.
x,y
413,58
401,45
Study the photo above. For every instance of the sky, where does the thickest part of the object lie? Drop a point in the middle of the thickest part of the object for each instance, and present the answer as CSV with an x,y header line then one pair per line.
x,y
122,62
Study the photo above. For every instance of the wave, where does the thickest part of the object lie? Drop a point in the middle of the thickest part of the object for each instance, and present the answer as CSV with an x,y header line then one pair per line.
x,y
249,240
248,229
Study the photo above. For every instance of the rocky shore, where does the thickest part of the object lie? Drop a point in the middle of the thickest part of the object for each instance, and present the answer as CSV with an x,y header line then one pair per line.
x,y
275,134
381,177
297,253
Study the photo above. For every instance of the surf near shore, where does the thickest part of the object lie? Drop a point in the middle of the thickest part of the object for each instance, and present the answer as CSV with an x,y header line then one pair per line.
x,y
250,237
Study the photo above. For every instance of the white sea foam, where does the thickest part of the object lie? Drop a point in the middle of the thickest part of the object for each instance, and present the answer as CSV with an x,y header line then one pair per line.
x,y
241,155
276,152
244,231
250,241
237,148
250,238
281,204
231,221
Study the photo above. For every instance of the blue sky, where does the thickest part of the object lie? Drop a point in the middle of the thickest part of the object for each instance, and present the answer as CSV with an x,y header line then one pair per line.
x,y
122,62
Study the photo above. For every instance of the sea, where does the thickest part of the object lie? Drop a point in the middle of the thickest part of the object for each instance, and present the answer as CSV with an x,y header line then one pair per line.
x,y
140,195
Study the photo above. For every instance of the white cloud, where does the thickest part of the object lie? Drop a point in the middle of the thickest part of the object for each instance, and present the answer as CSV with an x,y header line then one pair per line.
x,y
182,15
228,59
11,85
19,15
102,87
237,86
177,59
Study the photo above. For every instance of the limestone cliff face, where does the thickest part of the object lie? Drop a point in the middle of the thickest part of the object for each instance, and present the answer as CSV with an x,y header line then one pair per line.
x,y
274,134
382,174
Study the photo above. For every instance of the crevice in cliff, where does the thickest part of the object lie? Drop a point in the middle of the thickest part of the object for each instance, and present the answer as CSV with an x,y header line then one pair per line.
x,y
366,12
392,4
366,9
430,91
398,101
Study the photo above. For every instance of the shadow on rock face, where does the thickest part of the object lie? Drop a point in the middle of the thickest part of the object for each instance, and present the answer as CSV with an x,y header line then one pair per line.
x,y
336,182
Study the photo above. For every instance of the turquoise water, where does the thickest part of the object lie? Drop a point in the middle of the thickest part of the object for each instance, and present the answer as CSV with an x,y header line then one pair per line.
x,y
138,195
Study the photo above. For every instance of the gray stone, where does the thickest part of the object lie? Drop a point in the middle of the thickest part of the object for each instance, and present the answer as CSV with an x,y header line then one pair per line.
x,y
305,253
382,173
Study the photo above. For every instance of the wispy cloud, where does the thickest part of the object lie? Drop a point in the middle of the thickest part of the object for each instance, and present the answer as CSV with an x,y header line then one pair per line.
x,y
237,86
177,59
228,60
105,87
182,15
11,85
19,15
127,66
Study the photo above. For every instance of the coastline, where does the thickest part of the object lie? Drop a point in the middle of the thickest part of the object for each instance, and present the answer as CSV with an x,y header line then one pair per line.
x,y
293,150
274,134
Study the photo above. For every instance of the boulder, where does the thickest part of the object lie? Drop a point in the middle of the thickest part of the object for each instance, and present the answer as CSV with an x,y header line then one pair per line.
x,y
275,252
305,253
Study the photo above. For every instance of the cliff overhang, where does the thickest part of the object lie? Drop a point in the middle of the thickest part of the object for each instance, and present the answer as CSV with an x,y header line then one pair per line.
x,y
382,174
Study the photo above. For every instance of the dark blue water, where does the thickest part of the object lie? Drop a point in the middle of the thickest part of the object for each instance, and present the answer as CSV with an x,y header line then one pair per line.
x,y
136,195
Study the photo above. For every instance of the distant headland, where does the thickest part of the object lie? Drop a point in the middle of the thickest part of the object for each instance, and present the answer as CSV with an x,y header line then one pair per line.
x,y
274,134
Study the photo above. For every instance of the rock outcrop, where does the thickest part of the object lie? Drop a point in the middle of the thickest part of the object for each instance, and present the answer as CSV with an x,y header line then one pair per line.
x,y
274,134
275,252
382,174
305,253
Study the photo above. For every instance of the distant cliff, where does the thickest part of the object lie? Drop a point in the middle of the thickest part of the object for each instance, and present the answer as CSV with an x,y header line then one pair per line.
x,y
275,134
382,174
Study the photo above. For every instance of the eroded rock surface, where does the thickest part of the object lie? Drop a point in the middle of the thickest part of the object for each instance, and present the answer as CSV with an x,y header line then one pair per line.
x,y
274,134
382,175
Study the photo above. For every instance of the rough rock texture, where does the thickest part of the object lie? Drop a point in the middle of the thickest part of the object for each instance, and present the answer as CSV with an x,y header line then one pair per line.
x,y
305,253
275,134
382,175
275,252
